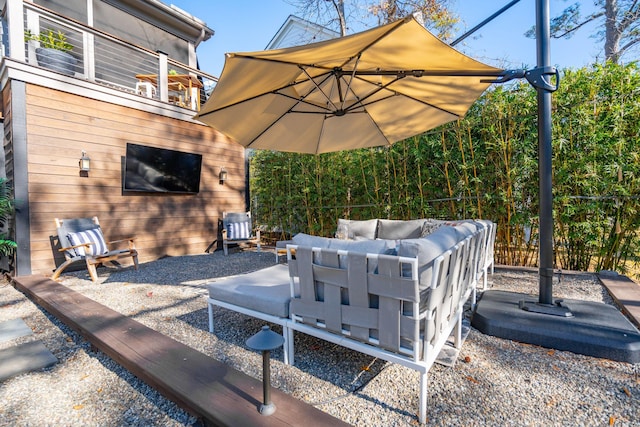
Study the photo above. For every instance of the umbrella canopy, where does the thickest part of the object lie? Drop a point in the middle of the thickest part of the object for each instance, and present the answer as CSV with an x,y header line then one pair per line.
x,y
364,90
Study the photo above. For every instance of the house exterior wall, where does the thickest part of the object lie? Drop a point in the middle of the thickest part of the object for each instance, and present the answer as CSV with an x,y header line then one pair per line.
x,y
297,31
58,126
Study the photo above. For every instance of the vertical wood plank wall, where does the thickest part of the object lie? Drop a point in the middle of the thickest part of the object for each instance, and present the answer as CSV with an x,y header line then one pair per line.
x,y
60,126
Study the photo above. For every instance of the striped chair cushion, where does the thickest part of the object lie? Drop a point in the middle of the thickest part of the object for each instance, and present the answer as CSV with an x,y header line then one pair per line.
x,y
238,230
94,236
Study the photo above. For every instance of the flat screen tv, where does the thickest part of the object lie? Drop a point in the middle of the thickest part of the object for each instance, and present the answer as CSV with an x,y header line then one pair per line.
x,y
159,170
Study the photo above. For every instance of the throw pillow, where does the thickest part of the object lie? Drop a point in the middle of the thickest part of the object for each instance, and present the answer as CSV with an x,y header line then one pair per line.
x,y
97,246
238,230
429,226
358,228
394,229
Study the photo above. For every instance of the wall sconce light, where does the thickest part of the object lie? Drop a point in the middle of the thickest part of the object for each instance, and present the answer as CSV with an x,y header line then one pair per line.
x,y
85,162
222,175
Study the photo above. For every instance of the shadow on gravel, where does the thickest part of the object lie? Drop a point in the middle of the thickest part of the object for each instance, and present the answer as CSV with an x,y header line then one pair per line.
x,y
344,368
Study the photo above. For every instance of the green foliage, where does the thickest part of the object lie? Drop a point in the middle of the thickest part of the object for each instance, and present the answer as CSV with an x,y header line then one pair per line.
x,y
597,172
50,39
7,209
486,166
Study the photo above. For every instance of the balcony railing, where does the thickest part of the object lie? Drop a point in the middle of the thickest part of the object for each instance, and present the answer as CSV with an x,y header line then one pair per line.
x,y
107,60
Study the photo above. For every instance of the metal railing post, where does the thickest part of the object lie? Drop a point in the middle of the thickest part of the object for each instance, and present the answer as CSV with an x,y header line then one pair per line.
x,y
163,81
15,25
89,54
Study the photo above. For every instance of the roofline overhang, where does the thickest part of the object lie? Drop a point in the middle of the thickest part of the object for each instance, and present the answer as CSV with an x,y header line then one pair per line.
x,y
173,17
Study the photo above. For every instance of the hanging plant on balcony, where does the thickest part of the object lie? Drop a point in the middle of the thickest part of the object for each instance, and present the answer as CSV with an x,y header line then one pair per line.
x,y
53,52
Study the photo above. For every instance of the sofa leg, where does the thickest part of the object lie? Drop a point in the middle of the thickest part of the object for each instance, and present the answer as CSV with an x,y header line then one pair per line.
x,y
457,330
285,345
210,309
422,414
289,350
474,298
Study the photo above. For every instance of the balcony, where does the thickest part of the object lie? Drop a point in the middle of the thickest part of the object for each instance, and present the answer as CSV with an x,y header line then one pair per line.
x,y
104,59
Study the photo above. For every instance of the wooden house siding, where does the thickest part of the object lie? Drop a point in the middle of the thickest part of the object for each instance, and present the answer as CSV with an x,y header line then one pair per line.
x,y
59,126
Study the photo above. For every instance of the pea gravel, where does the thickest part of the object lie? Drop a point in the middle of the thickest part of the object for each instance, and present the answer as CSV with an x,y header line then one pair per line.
x,y
495,382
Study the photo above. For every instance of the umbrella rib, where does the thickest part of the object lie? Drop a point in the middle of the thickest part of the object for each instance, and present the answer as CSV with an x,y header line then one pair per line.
x,y
266,129
312,80
299,100
353,74
360,102
302,101
415,99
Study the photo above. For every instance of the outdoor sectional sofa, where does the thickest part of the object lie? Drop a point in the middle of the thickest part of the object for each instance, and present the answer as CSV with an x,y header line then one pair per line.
x,y
394,289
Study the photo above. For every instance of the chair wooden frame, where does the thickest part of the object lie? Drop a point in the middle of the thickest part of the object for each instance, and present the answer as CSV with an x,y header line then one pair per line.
x,y
66,226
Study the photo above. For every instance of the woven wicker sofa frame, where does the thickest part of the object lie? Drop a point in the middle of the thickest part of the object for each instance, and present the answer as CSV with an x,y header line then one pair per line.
x,y
330,298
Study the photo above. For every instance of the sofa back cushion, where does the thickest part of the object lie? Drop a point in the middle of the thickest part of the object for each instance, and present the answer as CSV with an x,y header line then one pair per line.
x,y
427,249
364,246
393,229
307,240
354,228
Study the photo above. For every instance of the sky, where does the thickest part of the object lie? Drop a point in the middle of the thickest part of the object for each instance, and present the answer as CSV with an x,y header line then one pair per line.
x,y
249,25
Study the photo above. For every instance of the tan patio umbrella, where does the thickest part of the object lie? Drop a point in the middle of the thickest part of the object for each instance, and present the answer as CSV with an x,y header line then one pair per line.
x,y
364,90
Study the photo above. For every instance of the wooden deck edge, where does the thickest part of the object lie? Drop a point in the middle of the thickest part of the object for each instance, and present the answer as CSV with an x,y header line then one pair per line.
x,y
625,292
203,386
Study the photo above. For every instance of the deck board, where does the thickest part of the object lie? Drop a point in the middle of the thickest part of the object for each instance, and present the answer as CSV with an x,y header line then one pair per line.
x,y
203,386
625,292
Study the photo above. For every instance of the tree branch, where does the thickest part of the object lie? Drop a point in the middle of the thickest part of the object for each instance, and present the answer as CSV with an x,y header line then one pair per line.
x,y
630,16
591,18
628,45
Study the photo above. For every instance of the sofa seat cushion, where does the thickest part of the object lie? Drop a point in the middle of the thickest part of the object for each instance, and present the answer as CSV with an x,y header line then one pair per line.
x,y
266,291
354,228
392,229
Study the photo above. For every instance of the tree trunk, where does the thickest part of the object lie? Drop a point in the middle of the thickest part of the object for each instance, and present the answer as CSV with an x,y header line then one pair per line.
x,y
339,6
612,38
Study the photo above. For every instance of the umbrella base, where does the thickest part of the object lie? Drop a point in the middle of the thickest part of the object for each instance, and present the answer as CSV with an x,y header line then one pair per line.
x,y
594,329
557,309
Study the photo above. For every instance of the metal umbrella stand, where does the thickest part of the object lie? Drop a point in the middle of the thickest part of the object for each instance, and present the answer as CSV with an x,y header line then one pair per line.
x,y
589,328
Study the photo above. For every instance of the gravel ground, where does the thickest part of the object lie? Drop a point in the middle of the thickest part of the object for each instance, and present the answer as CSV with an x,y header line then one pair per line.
x,y
494,382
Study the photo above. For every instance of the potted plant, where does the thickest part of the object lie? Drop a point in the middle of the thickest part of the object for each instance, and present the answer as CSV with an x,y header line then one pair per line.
x,y
53,52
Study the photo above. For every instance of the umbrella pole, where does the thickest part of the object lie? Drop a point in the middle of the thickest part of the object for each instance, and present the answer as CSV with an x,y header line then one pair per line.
x,y
540,79
505,314
544,158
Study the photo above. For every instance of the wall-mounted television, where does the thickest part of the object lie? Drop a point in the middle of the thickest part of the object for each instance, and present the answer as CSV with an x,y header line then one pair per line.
x,y
159,170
